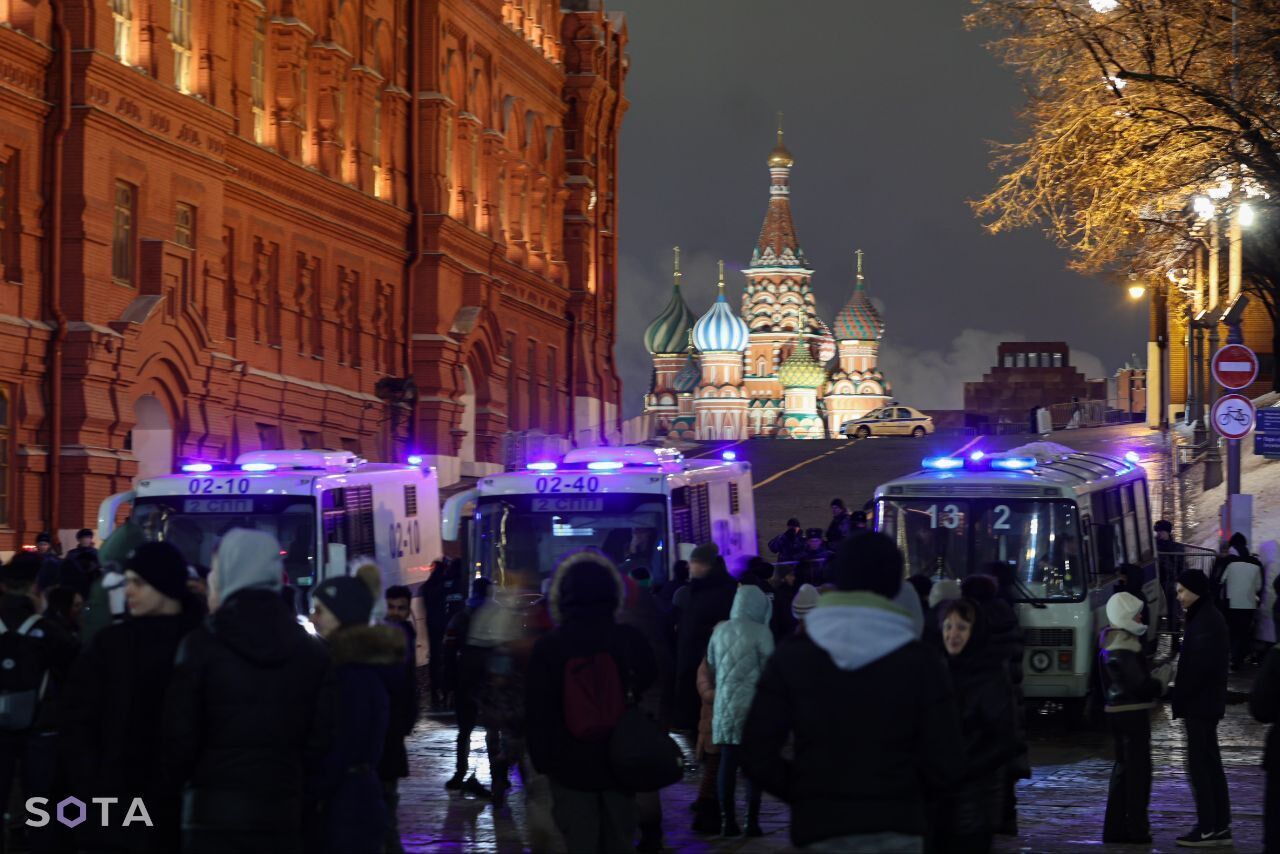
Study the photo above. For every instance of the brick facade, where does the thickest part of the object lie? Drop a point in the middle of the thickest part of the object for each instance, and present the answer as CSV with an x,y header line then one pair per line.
x,y
1026,374
227,225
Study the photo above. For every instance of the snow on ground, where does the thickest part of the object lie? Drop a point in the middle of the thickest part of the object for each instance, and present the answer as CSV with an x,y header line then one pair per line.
x,y
1259,477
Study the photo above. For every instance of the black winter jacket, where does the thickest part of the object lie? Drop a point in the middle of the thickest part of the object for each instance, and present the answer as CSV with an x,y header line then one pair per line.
x,y
110,724
898,739
788,546
1127,683
1264,703
52,648
369,668
987,721
567,760
703,604
1200,688
248,717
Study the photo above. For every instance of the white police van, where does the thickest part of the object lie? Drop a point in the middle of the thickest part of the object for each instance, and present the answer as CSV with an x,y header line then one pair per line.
x,y
327,509
640,506
1062,520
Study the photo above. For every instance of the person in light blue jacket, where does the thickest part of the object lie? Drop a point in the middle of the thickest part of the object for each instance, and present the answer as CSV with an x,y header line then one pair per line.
x,y
739,648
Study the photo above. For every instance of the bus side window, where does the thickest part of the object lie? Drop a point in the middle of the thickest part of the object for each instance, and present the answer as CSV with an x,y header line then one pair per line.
x,y
681,516
1129,523
1146,549
1087,548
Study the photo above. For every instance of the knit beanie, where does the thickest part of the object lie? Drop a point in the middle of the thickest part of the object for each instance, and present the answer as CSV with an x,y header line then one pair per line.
x,y
870,562
806,599
162,566
1122,611
943,590
348,598
1240,543
1194,580
247,559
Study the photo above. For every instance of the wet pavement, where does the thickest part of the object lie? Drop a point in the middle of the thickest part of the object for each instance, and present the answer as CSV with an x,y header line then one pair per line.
x,y
1060,808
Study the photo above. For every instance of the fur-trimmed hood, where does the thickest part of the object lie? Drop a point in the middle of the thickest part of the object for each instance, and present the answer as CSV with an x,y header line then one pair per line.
x,y
368,645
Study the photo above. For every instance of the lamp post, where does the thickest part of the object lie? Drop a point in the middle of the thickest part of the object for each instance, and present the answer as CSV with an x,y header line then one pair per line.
x,y
1157,350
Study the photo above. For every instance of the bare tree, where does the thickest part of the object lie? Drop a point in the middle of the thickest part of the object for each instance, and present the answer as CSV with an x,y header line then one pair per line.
x,y
1135,107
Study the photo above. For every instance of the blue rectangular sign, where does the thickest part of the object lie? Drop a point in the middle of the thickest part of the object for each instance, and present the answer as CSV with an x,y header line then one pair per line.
x,y
1269,419
1266,444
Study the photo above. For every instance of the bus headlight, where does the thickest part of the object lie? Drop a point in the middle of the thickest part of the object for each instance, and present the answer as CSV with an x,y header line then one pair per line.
x,y
1040,661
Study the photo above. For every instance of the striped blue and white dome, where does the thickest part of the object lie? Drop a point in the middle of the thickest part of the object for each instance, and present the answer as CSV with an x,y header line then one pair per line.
x,y
720,329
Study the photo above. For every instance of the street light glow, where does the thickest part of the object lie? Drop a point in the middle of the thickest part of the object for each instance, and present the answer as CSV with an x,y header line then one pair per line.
x,y
1137,291
1104,6
1204,207
1246,215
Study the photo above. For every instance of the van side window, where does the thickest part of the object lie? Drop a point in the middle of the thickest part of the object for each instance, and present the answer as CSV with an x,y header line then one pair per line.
x,y
410,499
348,519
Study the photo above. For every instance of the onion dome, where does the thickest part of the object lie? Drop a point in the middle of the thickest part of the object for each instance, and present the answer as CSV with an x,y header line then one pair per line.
x,y
859,320
720,329
826,343
670,329
799,370
689,376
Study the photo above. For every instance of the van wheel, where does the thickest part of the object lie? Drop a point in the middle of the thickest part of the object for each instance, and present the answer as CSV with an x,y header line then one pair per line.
x,y
864,432
918,433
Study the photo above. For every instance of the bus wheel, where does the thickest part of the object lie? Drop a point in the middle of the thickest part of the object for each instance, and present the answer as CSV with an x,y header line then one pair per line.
x,y
918,432
864,432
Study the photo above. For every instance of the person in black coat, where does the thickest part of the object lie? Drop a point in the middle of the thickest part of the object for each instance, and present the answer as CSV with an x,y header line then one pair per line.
x,y
1129,693
468,667
1264,703
249,710
967,816
369,667
590,808
403,689
111,712
1200,700
442,596
864,780
703,603
841,523
1004,642
789,545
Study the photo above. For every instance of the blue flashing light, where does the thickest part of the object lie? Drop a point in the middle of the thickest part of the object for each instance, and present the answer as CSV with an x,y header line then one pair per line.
x,y
414,459
729,456
197,467
605,465
1132,457
544,465
1014,463
258,467
942,463
976,456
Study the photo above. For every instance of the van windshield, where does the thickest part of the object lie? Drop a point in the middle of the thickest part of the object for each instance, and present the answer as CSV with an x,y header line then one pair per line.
x,y
197,525
528,535
953,538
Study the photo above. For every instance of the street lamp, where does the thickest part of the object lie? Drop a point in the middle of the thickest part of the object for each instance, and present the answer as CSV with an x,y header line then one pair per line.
x,y
1137,291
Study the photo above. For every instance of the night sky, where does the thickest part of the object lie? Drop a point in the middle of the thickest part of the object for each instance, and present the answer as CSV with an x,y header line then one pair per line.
x,y
889,107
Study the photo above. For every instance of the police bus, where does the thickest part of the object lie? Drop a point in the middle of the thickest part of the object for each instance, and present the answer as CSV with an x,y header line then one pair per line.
x,y
1063,520
327,509
640,506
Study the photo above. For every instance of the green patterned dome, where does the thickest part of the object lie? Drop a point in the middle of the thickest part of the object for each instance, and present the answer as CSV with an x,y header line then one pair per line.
x,y
800,370
669,332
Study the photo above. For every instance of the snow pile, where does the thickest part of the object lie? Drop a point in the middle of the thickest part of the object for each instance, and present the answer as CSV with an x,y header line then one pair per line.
x,y
1042,452
1260,478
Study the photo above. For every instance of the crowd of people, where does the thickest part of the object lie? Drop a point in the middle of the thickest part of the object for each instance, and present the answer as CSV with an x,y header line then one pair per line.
x,y
127,674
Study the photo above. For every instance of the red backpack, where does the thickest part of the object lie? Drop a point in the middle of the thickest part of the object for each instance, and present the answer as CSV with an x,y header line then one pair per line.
x,y
594,698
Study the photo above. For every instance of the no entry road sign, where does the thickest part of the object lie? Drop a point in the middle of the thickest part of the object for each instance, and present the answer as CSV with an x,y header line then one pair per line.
x,y
1233,416
1235,366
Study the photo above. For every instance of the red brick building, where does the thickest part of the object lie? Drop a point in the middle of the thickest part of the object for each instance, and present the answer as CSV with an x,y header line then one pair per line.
x,y
250,223
1026,374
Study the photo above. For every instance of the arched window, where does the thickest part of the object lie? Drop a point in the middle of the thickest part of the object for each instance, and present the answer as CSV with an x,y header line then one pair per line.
x,y
376,157
258,80
122,27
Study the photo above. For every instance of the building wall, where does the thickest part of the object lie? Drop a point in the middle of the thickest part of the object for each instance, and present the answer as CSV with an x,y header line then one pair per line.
x,y
334,197
1021,379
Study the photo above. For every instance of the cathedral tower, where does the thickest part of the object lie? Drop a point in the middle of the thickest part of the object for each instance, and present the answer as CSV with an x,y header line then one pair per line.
x,y
857,386
721,405
666,339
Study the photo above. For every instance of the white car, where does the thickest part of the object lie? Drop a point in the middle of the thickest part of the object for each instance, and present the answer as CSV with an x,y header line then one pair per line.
x,y
889,421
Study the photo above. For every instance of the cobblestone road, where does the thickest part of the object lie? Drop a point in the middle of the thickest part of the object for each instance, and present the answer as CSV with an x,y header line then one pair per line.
x,y
1060,808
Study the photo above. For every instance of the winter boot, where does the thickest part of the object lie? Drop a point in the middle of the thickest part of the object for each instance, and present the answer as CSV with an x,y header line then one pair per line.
x,y
455,782
753,820
730,827
475,787
650,839
706,816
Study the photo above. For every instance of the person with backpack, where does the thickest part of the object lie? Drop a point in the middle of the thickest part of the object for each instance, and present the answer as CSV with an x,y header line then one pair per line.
x,y
739,648
581,675
249,712
41,654
112,709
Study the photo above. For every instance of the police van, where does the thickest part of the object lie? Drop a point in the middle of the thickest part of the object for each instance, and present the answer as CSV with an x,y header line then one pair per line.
x,y
327,509
1064,523
640,506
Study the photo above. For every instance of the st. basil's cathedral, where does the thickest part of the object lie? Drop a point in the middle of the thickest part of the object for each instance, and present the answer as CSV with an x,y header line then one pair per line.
x,y
775,368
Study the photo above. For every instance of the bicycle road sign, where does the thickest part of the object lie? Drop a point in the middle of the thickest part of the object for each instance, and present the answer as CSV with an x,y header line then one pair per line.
x,y
1232,416
1235,366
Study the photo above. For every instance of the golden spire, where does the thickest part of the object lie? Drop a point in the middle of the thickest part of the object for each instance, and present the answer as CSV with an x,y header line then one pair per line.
x,y
859,254
721,285
676,274
780,157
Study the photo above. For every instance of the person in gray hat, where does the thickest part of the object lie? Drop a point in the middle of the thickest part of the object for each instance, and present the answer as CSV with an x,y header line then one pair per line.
x,y
249,711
